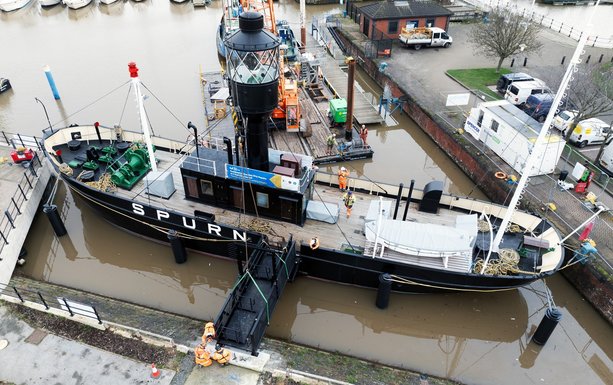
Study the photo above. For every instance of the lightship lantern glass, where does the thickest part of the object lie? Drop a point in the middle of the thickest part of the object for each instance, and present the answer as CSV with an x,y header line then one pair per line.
x,y
252,58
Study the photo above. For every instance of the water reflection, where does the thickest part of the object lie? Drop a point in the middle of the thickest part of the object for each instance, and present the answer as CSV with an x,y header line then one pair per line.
x,y
82,13
113,9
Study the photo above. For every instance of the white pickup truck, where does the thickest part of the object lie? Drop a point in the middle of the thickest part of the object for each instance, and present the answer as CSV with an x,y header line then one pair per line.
x,y
425,37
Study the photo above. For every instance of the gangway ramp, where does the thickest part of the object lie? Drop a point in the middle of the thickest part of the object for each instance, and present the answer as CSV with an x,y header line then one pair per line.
x,y
246,313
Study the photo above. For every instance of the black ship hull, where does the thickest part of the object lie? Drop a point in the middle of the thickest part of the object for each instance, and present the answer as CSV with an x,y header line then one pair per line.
x,y
213,238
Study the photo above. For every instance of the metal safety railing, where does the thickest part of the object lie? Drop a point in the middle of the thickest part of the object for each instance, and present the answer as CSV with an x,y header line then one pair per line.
x,y
20,196
61,304
571,31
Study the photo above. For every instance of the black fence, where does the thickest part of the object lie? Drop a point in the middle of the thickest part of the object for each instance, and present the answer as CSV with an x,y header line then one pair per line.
x,y
14,209
61,304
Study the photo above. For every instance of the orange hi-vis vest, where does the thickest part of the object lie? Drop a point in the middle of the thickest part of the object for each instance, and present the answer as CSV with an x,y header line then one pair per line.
x,y
222,356
209,330
203,358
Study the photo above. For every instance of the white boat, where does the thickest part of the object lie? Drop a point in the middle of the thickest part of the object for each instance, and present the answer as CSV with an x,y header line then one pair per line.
x,y
49,3
76,4
107,1
12,5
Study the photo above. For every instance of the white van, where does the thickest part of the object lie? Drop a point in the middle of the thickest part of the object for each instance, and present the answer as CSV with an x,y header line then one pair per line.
x,y
518,92
591,131
606,160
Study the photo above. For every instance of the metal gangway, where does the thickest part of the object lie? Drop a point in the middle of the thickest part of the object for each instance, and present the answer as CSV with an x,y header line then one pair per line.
x,y
246,313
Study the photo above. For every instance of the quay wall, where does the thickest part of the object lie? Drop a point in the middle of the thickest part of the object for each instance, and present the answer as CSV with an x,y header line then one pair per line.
x,y
593,283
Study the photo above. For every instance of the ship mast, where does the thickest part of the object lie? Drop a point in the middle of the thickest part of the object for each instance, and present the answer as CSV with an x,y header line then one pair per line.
x,y
532,158
141,112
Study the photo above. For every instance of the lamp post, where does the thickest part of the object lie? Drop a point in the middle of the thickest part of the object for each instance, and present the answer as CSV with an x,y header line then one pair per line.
x,y
46,114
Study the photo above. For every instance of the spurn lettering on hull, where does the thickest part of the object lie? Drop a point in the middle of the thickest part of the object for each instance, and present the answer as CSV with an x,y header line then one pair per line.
x,y
189,223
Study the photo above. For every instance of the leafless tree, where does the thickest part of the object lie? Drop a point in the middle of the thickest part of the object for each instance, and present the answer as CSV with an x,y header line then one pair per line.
x,y
589,94
504,34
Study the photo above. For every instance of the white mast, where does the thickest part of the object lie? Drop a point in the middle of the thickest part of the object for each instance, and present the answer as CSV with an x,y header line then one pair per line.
x,y
532,158
141,112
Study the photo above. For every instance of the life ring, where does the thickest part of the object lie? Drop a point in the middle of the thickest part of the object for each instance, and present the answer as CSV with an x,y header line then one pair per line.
x,y
500,175
314,243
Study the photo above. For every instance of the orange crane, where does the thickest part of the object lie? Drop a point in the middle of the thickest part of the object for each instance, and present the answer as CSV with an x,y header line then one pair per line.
x,y
289,107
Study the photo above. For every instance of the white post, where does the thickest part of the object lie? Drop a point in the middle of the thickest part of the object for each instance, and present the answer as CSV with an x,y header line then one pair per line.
x,y
143,122
379,220
601,209
532,158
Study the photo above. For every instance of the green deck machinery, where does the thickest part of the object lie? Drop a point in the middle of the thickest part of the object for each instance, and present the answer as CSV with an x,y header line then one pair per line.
x,y
134,167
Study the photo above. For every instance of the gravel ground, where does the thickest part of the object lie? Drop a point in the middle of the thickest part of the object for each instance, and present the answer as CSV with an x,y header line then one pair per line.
x,y
106,340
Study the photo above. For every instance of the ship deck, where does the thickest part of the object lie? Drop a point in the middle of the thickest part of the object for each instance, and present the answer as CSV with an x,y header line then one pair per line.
x,y
346,233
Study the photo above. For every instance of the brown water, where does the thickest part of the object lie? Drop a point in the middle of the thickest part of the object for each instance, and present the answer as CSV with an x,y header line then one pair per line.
x,y
474,338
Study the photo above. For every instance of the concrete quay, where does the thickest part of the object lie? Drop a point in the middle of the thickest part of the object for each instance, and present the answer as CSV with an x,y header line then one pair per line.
x,y
21,190
420,76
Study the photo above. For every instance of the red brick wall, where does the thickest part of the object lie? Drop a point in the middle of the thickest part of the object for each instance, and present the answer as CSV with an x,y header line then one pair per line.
x,y
383,25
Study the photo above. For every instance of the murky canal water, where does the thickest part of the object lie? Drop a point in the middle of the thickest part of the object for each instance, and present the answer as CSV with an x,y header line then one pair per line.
x,y
474,338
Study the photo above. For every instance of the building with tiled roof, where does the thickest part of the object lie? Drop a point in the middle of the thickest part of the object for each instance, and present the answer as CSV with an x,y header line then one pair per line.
x,y
385,19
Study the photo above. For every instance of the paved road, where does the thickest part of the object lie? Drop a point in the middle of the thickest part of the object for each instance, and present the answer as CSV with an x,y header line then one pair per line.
x,y
35,357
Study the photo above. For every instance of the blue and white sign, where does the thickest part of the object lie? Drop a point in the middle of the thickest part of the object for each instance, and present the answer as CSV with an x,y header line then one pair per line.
x,y
252,176
472,128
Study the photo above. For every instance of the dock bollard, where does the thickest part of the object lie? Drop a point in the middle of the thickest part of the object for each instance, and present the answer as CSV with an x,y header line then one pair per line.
x,y
547,325
56,94
383,293
54,218
178,249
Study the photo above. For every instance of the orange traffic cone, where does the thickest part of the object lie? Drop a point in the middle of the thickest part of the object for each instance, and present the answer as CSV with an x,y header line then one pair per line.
x,y
155,373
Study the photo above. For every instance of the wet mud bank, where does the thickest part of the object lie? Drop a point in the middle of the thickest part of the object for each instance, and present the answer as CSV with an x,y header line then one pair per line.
x,y
593,281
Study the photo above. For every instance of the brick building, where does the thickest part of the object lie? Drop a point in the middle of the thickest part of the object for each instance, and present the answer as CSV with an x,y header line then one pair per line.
x,y
385,19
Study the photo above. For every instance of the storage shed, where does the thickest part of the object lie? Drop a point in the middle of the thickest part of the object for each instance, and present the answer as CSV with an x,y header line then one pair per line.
x,y
385,19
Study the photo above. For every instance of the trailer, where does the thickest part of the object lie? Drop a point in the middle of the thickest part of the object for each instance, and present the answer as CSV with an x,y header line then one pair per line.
x,y
512,134
425,37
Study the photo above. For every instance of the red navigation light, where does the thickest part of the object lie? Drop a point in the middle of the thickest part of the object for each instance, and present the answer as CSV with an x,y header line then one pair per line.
x,y
133,69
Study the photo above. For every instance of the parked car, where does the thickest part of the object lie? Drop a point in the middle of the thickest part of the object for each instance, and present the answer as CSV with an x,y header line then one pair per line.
x,y
518,92
538,106
504,81
591,131
562,120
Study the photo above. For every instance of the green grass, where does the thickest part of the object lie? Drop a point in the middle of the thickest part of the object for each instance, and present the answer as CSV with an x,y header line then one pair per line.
x,y
479,79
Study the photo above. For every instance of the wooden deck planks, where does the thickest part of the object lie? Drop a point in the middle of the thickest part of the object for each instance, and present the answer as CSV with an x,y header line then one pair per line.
x,y
363,111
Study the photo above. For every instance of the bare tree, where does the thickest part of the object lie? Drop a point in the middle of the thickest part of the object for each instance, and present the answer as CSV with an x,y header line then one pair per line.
x,y
504,35
590,92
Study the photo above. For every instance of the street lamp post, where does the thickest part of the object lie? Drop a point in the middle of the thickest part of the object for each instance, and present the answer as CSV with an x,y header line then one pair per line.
x,y
46,114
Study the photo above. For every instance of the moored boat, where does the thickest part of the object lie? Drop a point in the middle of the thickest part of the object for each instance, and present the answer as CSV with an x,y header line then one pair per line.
x,y
5,85
12,5
206,192
107,2
49,3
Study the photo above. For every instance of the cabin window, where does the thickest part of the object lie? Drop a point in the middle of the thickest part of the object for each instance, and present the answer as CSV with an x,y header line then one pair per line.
x,y
494,126
192,187
392,27
429,22
262,199
412,24
207,187
480,120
